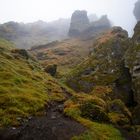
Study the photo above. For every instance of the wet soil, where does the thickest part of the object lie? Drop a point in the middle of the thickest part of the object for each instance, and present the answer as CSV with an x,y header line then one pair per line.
x,y
54,126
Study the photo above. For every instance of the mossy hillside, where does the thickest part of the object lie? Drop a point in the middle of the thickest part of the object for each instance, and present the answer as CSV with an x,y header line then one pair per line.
x,y
24,87
82,108
103,67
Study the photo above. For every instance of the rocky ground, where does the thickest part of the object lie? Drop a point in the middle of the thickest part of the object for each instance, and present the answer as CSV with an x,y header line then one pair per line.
x,y
53,126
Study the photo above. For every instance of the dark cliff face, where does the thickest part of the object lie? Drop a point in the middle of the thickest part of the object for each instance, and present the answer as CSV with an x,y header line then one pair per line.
x,y
137,10
79,22
132,61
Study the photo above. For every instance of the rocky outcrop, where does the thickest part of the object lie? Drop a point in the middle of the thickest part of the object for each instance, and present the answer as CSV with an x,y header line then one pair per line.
x,y
18,53
114,61
79,22
104,65
137,10
83,26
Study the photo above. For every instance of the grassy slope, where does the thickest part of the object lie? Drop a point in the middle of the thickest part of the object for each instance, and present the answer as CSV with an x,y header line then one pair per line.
x,y
24,87
96,130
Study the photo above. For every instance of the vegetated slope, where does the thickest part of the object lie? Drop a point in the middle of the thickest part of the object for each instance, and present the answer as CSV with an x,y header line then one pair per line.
x,y
25,91
24,87
66,54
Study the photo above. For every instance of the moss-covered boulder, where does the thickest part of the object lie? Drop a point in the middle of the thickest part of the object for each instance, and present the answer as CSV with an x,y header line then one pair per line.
x,y
51,69
94,112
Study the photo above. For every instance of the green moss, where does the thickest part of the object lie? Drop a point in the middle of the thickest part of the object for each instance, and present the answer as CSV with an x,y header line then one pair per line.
x,y
119,113
24,87
94,112
95,130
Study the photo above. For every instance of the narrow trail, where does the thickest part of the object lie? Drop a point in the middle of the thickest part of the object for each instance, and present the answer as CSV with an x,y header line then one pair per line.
x,y
53,126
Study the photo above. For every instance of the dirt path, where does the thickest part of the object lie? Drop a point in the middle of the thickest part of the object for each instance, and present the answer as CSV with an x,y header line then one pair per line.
x,y
53,126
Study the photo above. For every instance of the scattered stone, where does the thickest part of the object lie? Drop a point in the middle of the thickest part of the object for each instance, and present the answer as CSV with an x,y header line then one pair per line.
x,y
51,69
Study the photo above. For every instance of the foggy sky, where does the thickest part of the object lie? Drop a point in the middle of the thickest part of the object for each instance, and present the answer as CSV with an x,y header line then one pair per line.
x,y
119,11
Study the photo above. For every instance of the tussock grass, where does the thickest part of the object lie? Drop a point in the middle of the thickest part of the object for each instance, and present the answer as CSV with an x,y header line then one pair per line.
x,y
96,130
24,87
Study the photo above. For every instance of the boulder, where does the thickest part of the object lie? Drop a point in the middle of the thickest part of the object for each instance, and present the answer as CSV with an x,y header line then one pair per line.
x,y
51,69
20,53
94,112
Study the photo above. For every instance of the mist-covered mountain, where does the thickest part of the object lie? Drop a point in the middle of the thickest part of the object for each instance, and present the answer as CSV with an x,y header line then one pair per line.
x,y
94,93
84,26
30,34
40,32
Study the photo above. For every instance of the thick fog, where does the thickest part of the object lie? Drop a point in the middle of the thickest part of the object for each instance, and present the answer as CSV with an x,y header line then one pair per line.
x,y
120,12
